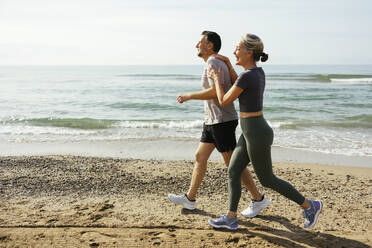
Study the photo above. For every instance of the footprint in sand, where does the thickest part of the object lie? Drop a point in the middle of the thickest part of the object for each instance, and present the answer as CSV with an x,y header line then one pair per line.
x,y
4,237
105,207
154,233
232,240
53,220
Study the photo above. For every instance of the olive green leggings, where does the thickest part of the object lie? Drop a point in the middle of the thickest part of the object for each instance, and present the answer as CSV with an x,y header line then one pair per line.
x,y
254,146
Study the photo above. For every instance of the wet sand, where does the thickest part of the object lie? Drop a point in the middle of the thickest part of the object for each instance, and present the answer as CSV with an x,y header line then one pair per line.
x,y
72,201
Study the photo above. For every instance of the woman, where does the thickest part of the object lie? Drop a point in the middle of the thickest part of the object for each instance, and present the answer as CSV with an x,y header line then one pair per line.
x,y
254,144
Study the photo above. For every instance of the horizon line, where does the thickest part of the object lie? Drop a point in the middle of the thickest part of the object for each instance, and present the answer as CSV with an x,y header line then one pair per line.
x,y
15,65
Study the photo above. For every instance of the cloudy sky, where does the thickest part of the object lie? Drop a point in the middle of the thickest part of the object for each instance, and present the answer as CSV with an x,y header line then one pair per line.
x,y
119,32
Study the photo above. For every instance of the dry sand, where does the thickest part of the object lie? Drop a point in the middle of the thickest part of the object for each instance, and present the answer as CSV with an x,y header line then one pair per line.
x,y
67,201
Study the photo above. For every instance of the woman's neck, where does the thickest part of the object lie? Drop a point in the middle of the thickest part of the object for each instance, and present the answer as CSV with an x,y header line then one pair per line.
x,y
250,65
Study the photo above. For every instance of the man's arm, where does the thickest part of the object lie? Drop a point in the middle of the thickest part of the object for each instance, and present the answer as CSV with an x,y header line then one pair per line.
x,y
206,94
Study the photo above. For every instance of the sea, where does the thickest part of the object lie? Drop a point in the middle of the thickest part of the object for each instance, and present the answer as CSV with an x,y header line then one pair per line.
x,y
322,108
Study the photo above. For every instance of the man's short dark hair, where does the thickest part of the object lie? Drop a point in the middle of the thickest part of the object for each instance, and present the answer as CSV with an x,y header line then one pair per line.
x,y
214,38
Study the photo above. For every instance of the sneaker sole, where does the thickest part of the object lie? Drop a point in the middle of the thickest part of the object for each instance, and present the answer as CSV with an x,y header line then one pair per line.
x,y
182,204
188,208
316,215
250,217
223,226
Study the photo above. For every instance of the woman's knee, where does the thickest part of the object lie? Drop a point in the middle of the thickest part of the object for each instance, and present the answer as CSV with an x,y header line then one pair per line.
x,y
234,174
267,181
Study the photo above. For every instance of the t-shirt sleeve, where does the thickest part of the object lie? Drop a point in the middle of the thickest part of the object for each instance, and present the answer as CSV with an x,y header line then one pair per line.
x,y
242,81
216,66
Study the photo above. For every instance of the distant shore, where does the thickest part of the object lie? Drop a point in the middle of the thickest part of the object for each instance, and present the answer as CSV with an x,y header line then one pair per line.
x,y
74,201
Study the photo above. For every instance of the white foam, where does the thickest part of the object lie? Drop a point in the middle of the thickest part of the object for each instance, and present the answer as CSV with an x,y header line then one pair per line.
x,y
279,124
164,125
351,80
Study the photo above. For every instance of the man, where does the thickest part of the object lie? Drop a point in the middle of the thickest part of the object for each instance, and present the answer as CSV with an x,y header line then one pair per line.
x,y
218,129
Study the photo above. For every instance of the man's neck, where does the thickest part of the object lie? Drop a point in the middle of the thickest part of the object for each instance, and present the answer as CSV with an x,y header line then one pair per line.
x,y
206,57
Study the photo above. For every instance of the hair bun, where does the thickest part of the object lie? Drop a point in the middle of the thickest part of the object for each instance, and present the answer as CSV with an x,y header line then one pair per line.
x,y
264,57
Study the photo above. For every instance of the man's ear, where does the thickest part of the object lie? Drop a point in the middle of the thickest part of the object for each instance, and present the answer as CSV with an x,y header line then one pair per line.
x,y
210,45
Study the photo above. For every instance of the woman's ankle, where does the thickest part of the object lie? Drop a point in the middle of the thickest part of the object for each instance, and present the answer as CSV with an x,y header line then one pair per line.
x,y
231,214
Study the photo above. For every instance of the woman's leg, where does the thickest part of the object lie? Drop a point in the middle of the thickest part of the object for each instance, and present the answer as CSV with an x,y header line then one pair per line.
x,y
238,163
261,160
259,149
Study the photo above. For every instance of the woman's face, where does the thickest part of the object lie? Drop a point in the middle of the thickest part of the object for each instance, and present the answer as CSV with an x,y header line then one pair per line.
x,y
242,55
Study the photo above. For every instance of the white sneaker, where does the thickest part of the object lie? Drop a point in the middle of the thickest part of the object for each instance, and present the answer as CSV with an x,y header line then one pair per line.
x,y
182,200
255,208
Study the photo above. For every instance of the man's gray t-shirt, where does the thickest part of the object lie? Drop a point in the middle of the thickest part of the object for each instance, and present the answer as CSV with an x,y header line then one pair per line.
x,y
214,113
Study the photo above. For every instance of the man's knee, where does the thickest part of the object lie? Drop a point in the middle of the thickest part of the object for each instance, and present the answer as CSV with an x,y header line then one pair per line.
x,y
201,158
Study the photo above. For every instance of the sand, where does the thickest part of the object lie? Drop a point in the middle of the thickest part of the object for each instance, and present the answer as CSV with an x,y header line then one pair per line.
x,y
72,201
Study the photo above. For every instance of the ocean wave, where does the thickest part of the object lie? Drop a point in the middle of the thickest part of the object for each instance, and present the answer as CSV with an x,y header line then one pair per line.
x,y
162,124
36,131
157,76
339,78
78,123
352,80
89,123
345,78
360,121
145,106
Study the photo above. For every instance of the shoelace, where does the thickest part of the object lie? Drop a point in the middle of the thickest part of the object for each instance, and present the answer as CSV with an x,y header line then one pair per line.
x,y
252,204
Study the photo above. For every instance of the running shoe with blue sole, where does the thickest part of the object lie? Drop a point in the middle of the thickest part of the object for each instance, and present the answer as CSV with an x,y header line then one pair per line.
x,y
311,215
224,222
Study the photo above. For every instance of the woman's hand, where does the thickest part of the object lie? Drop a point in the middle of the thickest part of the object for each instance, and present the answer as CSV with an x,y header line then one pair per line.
x,y
233,75
223,58
213,74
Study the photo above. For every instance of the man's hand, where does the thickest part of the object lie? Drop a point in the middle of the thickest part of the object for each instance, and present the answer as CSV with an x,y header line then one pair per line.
x,y
183,98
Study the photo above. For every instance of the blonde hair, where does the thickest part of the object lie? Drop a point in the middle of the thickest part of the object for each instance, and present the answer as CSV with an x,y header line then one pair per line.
x,y
254,43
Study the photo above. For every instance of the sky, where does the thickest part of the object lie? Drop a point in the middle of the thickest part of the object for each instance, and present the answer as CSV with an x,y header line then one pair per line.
x,y
165,32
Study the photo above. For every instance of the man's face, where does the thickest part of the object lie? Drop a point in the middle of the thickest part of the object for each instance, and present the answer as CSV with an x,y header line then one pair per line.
x,y
203,46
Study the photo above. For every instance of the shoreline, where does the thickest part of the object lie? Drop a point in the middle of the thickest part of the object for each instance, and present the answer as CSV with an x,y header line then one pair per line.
x,y
75,201
161,149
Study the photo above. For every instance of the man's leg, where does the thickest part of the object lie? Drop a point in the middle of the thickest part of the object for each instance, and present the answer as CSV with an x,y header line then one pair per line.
x,y
201,158
246,178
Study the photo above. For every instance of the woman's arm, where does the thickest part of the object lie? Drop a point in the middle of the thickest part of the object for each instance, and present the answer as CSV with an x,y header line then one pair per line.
x,y
230,96
233,74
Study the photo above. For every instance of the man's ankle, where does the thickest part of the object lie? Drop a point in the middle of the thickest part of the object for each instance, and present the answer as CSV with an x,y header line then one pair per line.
x,y
189,198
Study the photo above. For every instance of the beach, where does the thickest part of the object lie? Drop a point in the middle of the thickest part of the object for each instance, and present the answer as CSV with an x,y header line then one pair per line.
x,y
76,201
103,105
88,155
